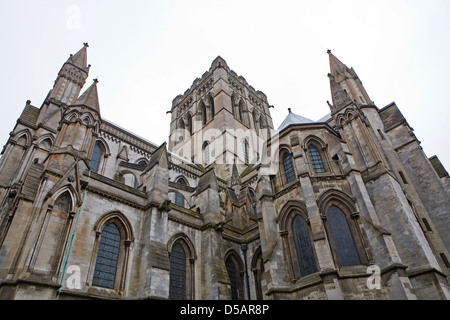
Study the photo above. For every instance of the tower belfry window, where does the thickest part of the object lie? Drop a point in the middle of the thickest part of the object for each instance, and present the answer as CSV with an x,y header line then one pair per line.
x,y
241,111
204,114
211,107
206,153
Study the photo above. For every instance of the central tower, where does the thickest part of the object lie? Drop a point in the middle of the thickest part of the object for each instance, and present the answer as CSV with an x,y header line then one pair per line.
x,y
220,121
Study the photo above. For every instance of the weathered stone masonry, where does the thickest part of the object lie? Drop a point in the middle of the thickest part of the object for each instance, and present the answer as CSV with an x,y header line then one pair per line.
x,y
347,207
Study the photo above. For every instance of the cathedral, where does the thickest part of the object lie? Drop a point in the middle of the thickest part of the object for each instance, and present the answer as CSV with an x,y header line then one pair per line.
x,y
231,207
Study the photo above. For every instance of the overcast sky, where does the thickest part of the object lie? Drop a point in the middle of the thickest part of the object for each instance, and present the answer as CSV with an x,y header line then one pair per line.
x,y
145,53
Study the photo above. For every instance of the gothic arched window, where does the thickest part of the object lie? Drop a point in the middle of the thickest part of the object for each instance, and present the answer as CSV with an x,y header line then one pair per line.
x,y
206,153
55,235
303,246
342,238
97,156
177,285
211,106
255,120
204,114
236,280
181,124
181,268
262,122
316,159
296,237
241,111
288,166
109,260
107,257
179,199
258,273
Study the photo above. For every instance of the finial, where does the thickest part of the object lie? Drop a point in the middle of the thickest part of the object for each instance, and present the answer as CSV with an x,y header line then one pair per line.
x,y
328,51
86,45
289,110
330,105
96,80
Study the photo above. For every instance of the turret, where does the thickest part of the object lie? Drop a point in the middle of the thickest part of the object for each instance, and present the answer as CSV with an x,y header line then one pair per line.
x,y
71,77
79,126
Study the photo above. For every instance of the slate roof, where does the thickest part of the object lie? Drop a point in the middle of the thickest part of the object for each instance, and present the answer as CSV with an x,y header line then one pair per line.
x,y
29,115
293,118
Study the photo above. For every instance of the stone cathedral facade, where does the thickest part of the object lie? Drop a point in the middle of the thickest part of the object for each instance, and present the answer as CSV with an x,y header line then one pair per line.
x,y
231,207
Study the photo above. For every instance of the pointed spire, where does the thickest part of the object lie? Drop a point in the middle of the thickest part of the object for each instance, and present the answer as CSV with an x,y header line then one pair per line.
x,y
89,98
80,58
346,78
218,62
339,95
337,69
72,77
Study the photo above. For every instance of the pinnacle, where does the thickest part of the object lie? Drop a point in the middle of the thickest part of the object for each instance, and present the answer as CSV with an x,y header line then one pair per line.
x,y
336,66
90,97
80,58
219,62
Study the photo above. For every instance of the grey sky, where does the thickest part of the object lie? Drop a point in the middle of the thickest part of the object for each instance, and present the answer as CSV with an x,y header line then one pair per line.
x,y
145,53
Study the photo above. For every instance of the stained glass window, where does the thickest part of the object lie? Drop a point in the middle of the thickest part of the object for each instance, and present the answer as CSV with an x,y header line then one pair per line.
x,y
96,157
343,240
107,257
177,285
316,160
179,199
288,167
303,246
